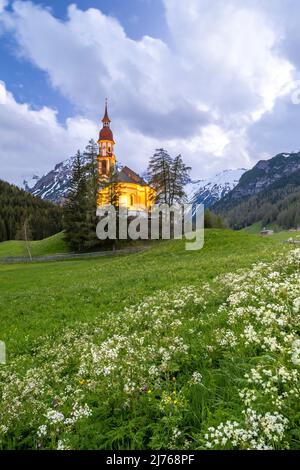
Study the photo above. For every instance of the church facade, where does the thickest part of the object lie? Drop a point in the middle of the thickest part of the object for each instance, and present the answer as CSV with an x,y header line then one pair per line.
x,y
133,192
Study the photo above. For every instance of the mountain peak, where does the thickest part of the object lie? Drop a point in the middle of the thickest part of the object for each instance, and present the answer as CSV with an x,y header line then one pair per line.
x,y
54,185
265,174
210,190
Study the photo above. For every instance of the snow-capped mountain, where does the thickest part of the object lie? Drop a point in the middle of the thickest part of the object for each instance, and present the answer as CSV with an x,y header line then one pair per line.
x,y
209,191
30,182
54,185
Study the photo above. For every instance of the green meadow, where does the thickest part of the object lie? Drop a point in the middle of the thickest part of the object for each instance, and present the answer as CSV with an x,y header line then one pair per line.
x,y
38,298
49,246
161,349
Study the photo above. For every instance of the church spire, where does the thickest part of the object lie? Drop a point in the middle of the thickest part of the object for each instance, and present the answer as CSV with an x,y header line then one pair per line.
x,y
106,119
106,156
105,132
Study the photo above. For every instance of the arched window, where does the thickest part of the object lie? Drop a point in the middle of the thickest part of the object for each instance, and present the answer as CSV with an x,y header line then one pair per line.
x,y
104,167
131,200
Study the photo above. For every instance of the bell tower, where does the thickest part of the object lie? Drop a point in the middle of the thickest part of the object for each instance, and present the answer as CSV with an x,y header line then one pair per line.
x,y
106,156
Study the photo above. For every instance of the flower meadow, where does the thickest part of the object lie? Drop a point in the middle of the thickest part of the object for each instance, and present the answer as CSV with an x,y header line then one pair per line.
x,y
213,366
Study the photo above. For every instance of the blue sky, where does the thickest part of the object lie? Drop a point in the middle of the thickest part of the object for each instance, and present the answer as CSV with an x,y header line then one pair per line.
x,y
211,79
31,85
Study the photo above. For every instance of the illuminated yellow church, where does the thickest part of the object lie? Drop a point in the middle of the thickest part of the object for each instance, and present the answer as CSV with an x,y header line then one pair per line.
x,y
133,191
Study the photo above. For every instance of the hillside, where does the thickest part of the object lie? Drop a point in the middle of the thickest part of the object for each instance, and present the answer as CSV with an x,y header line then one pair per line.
x,y
16,206
269,193
48,246
165,339
59,284
278,205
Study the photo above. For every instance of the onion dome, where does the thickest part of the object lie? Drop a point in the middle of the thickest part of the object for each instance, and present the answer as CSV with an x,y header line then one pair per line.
x,y
106,133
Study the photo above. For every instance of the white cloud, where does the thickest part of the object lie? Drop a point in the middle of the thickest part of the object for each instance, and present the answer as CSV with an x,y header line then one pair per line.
x,y
3,5
213,140
232,49
222,71
33,141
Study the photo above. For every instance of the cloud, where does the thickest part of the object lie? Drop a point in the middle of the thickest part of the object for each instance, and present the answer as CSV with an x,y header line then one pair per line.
x,y
33,141
224,70
98,59
3,5
278,131
232,49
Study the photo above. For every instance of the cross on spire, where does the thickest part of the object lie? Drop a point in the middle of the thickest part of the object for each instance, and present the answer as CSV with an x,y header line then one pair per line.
x,y
106,119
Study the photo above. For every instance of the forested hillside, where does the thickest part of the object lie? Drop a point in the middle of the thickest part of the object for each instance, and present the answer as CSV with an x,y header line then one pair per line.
x,y
270,193
279,204
17,208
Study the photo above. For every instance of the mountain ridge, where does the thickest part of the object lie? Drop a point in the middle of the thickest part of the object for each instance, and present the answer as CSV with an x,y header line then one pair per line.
x,y
54,185
260,177
210,190
269,192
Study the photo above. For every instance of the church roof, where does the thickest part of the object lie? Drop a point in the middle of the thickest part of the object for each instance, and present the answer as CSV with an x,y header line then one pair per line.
x,y
106,134
126,175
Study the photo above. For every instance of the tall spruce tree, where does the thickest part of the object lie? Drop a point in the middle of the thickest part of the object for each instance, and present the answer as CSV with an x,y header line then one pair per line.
x,y
168,176
3,231
110,195
76,225
158,173
179,177
91,165
92,182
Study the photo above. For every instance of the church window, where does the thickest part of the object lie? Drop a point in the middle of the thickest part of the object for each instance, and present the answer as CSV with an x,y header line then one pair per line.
x,y
104,167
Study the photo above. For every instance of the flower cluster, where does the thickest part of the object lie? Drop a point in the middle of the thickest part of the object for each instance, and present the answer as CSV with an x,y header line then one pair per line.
x,y
262,310
122,355
259,431
209,366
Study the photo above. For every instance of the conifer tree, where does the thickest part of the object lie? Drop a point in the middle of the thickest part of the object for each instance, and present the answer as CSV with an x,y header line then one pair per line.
x,y
76,207
91,165
212,220
159,176
179,177
92,182
3,232
168,176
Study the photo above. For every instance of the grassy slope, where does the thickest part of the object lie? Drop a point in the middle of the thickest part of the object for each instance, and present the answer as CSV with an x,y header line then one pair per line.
x,y
48,246
283,235
12,248
38,298
254,228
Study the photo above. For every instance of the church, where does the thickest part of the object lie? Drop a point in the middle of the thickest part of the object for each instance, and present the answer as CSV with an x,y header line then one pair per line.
x,y
134,193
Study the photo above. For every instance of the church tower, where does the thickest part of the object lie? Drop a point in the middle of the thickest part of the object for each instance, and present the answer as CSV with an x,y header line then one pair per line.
x,y
129,189
106,157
